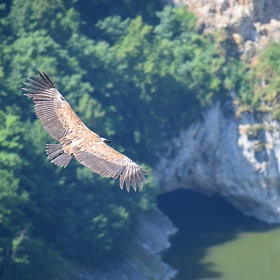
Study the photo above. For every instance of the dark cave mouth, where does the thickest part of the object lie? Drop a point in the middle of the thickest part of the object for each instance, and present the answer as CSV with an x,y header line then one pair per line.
x,y
184,207
200,212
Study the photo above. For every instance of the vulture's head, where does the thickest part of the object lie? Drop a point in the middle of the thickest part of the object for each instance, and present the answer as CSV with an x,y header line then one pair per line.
x,y
105,140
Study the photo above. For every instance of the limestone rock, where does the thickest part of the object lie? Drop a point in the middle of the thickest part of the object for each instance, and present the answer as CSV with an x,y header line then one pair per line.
x,y
255,21
237,158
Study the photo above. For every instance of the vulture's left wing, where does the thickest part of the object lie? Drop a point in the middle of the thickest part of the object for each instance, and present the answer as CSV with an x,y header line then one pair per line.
x,y
51,108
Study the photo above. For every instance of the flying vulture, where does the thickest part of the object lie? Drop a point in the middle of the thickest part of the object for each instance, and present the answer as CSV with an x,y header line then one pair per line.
x,y
76,139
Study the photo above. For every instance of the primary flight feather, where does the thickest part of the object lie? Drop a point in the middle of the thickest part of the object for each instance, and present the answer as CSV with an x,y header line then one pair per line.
x,y
76,139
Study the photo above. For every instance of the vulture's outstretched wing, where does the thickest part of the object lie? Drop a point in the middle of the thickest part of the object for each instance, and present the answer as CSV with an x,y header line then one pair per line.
x,y
116,165
61,122
53,111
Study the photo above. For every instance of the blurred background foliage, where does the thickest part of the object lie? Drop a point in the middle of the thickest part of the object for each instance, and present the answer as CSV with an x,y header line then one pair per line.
x,y
136,74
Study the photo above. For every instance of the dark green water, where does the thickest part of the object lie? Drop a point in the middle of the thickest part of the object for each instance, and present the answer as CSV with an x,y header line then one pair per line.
x,y
215,241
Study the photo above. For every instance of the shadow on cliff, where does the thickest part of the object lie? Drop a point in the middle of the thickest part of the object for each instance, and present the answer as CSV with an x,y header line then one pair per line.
x,y
203,222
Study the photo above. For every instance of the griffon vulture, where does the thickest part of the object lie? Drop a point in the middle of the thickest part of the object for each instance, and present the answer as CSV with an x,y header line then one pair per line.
x,y
76,139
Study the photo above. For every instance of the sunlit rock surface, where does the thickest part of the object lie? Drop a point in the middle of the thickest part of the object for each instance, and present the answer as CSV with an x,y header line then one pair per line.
x,y
237,158
142,260
251,24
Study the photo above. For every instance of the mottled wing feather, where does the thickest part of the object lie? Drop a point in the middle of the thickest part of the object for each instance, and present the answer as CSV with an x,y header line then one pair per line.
x,y
53,111
107,162
121,181
138,180
98,165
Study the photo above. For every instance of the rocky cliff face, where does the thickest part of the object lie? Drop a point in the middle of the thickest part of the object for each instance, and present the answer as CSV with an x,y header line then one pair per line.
x,y
251,24
237,158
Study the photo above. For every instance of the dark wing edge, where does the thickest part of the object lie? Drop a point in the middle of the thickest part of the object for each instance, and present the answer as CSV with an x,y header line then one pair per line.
x,y
129,172
45,95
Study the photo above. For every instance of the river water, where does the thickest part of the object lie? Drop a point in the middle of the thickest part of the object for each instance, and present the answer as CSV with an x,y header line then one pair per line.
x,y
215,241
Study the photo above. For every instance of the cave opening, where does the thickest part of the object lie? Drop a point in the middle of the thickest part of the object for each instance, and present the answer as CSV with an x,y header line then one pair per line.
x,y
203,222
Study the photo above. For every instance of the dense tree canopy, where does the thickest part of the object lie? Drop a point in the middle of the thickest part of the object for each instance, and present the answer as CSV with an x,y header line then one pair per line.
x,y
136,75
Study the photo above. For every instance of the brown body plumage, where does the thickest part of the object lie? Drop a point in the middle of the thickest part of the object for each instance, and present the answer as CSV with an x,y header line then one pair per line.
x,y
76,139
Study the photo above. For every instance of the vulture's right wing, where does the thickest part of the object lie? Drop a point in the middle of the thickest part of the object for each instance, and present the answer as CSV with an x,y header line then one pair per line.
x,y
106,161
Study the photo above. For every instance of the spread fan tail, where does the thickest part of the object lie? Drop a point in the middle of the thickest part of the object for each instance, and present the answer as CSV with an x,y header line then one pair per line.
x,y
57,155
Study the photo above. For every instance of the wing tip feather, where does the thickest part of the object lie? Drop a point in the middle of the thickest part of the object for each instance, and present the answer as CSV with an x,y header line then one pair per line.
x,y
133,177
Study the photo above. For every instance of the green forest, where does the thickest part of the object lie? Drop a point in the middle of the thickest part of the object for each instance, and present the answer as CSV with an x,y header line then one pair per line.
x,y
135,73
